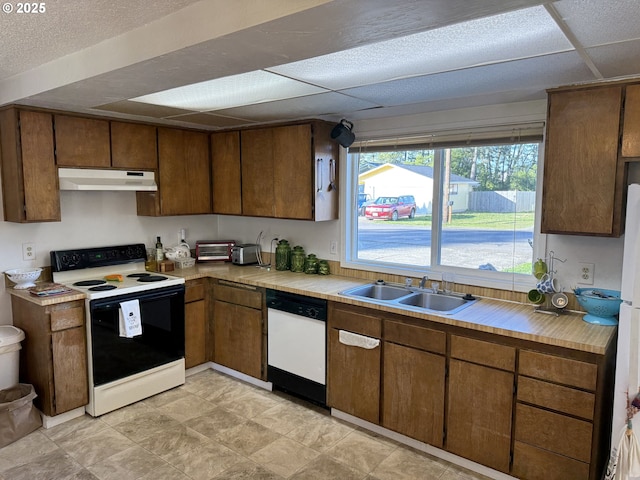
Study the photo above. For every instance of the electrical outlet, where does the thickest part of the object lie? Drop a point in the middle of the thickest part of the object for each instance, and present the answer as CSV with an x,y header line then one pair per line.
x,y
586,273
28,251
333,247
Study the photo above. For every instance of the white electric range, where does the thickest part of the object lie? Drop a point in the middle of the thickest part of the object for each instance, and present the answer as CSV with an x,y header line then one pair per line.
x,y
121,369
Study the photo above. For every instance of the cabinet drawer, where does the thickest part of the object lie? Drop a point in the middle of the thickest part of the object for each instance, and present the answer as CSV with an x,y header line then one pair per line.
x,y
194,290
355,319
238,294
415,336
483,353
556,397
536,464
557,369
63,318
551,431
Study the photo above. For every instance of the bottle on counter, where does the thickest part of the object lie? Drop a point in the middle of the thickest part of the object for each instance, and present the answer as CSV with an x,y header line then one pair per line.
x,y
159,251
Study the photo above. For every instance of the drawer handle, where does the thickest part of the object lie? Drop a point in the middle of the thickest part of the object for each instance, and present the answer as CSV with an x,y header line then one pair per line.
x,y
355,340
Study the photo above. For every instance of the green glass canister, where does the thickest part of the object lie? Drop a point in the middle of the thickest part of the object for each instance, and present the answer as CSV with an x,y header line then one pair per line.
x,y
323,267
297,259
283,255
311,264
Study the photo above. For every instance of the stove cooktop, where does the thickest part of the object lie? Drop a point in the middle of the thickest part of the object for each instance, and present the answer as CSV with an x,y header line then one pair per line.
x,y
86,270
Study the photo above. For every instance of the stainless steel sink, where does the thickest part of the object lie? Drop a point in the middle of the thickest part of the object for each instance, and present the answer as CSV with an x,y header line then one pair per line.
x,y
378,292
409,298
434,301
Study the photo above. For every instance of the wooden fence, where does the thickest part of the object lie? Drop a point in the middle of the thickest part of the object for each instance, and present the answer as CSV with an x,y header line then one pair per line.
x,y
502,202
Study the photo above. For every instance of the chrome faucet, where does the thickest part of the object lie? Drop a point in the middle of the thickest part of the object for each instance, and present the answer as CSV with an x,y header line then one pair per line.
x,y
423,281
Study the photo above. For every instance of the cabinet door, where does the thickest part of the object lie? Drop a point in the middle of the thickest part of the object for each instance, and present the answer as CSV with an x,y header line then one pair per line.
x,y
631,125
293,174
353,379
479,411
184,172
258,194
237,334
226,173
29,177
82,142
134,146
195,333
413,393
582,188
69,369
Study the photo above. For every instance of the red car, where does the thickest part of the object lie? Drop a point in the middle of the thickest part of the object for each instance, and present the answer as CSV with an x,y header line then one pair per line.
x,y
391,208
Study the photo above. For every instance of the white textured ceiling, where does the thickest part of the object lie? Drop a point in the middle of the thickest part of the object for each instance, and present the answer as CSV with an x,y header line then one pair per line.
x,y
343,58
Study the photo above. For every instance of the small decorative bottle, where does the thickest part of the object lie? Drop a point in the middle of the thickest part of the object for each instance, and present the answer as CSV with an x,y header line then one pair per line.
x,y
159,251
297,259
283,255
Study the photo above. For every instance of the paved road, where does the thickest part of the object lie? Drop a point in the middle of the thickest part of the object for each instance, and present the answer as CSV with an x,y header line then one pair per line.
x,y
390,242
373,237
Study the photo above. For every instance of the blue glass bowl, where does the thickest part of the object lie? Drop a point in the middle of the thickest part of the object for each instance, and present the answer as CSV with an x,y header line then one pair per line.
x,y
602,305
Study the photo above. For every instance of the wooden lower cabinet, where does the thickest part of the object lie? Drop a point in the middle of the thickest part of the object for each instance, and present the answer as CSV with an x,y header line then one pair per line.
x,y
353,373
239,328
479,412
354,379
195,323
499,402
53,357
413,389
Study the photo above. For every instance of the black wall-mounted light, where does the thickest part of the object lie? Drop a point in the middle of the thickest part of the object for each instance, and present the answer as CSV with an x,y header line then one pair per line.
x,y
342,133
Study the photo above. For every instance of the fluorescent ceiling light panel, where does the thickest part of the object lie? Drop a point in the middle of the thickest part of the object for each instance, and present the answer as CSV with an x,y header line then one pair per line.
x,y
520,34
236,90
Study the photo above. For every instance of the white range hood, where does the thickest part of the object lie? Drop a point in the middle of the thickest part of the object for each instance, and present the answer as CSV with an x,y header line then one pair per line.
x,y
95,179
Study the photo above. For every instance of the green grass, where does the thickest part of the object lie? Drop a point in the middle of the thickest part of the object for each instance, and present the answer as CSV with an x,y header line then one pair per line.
x,y
525,268
497,221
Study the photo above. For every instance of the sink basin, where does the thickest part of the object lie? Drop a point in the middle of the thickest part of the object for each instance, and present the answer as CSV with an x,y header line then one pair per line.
x,y
409,298
433,301
378,292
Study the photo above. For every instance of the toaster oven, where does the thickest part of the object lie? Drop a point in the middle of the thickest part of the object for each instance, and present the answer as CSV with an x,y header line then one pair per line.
x,y
214,250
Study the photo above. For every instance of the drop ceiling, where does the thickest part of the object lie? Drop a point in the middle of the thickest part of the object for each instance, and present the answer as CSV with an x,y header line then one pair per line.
x,y
216,64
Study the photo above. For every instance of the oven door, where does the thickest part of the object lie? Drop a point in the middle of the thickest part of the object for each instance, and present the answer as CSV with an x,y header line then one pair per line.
x,y
162,341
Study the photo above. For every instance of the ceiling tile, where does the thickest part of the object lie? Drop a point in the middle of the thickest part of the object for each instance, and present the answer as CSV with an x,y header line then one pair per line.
x,y
244,89
562,68
514,35
210,120
618,59
301,107
145,109
595,22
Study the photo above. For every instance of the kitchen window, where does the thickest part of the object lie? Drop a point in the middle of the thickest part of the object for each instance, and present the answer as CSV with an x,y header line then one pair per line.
x,y
471,209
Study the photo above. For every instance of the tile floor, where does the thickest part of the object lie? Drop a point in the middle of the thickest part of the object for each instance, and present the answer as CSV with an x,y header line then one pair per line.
x,y
217,427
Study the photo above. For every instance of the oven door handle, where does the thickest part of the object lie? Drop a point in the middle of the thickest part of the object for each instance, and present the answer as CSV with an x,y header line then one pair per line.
x,y
114,302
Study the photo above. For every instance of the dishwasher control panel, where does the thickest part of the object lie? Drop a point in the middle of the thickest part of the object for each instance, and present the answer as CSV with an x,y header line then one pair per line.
x,y
301,305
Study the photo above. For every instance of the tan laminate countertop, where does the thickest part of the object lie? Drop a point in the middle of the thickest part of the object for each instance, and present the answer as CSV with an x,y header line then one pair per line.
x,y
499,317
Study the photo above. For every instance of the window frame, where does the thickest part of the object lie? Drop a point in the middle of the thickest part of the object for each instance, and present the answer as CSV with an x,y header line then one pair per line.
x,y
466,276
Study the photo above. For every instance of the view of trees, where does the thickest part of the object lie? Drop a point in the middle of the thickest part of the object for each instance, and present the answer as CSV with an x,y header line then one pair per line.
x,y
495,167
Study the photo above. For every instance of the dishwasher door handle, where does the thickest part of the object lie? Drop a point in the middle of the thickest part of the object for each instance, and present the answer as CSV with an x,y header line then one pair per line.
x,y
355,340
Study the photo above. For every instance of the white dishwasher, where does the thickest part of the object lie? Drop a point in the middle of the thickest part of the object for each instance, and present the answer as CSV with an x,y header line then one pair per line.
x,y
297,344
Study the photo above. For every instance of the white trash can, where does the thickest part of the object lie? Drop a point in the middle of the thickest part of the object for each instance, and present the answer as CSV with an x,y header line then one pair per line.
x,y
10,338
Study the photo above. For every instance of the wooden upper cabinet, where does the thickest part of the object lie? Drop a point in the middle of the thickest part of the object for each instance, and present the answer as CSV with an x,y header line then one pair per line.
x,y
184,175
29,178
134,146
258,191
287,172
631,123
82,142
226,173
583,183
